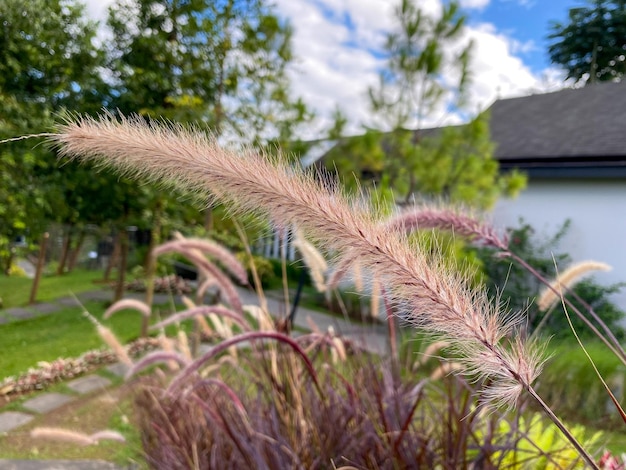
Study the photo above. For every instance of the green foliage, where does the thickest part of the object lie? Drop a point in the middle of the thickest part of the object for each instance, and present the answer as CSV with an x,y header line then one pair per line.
x,y
264,269
15,290
47,63
219,63
517,288
542,445
591,45
569,383
412,83
455,164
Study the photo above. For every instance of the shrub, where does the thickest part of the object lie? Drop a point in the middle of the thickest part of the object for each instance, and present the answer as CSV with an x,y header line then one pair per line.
x,y
517,288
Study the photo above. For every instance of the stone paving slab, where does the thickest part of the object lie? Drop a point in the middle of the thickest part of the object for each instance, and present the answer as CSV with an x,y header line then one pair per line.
x,y
46,308
89,383
67,301
96,295
57,465
12,419
118,369
19,313
46,402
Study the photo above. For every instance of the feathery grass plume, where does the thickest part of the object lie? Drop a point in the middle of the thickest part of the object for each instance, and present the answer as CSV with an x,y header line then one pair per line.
x,y
183,344
200,320
567,279
156,357
429,353
75,437
205,286
266,323
313,259
375,297
210,270
218,252
438,300
131,304
111,340
445,369
209,310
453,220
340,269
168,346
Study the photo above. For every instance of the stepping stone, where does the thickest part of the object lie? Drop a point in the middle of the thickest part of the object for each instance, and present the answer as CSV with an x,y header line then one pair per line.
x,y
89,384
12,419
46,402
68,302
96,295
118,369
46,308
19,313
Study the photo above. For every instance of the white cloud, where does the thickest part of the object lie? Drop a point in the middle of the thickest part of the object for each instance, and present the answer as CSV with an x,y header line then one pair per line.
x,y
330,72
337,60
475,4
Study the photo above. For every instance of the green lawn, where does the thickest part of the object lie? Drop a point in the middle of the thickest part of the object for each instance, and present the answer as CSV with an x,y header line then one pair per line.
x,y
15,291
66,333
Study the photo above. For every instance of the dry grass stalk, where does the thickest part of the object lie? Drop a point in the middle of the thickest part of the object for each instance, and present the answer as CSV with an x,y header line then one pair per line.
x,y
567,279
438,300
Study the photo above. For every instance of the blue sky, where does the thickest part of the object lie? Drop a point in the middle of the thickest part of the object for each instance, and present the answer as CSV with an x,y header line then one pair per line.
x,y
337,44
526,21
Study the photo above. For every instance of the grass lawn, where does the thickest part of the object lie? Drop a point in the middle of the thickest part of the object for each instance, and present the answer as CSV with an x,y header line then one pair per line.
x,y
66,333
15,291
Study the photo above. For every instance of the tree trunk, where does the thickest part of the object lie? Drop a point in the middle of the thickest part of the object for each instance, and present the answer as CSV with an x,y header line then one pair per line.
x,y
121,269
40,262
76,251
113,258
151,264
67,240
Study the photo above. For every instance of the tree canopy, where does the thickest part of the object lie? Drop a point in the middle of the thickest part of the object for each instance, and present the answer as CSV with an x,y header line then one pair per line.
x,y
218,62
428,62
47,64
221,63
591,44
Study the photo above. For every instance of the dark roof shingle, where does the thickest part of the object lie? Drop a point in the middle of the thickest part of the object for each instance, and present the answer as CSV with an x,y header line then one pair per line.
x,y
567,124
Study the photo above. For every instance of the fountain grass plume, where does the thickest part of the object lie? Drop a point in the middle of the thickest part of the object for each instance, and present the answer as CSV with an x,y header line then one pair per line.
x,y
130,304
565,280
204,310
451,219
438,300
110,339
313,259
75,437
210,270
156,357
221,254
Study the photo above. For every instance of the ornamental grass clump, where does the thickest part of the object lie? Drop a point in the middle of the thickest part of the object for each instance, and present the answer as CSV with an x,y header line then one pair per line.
x,y
481,336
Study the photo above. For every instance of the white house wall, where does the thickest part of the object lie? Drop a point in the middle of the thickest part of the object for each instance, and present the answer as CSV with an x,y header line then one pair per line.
x,y
597,210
